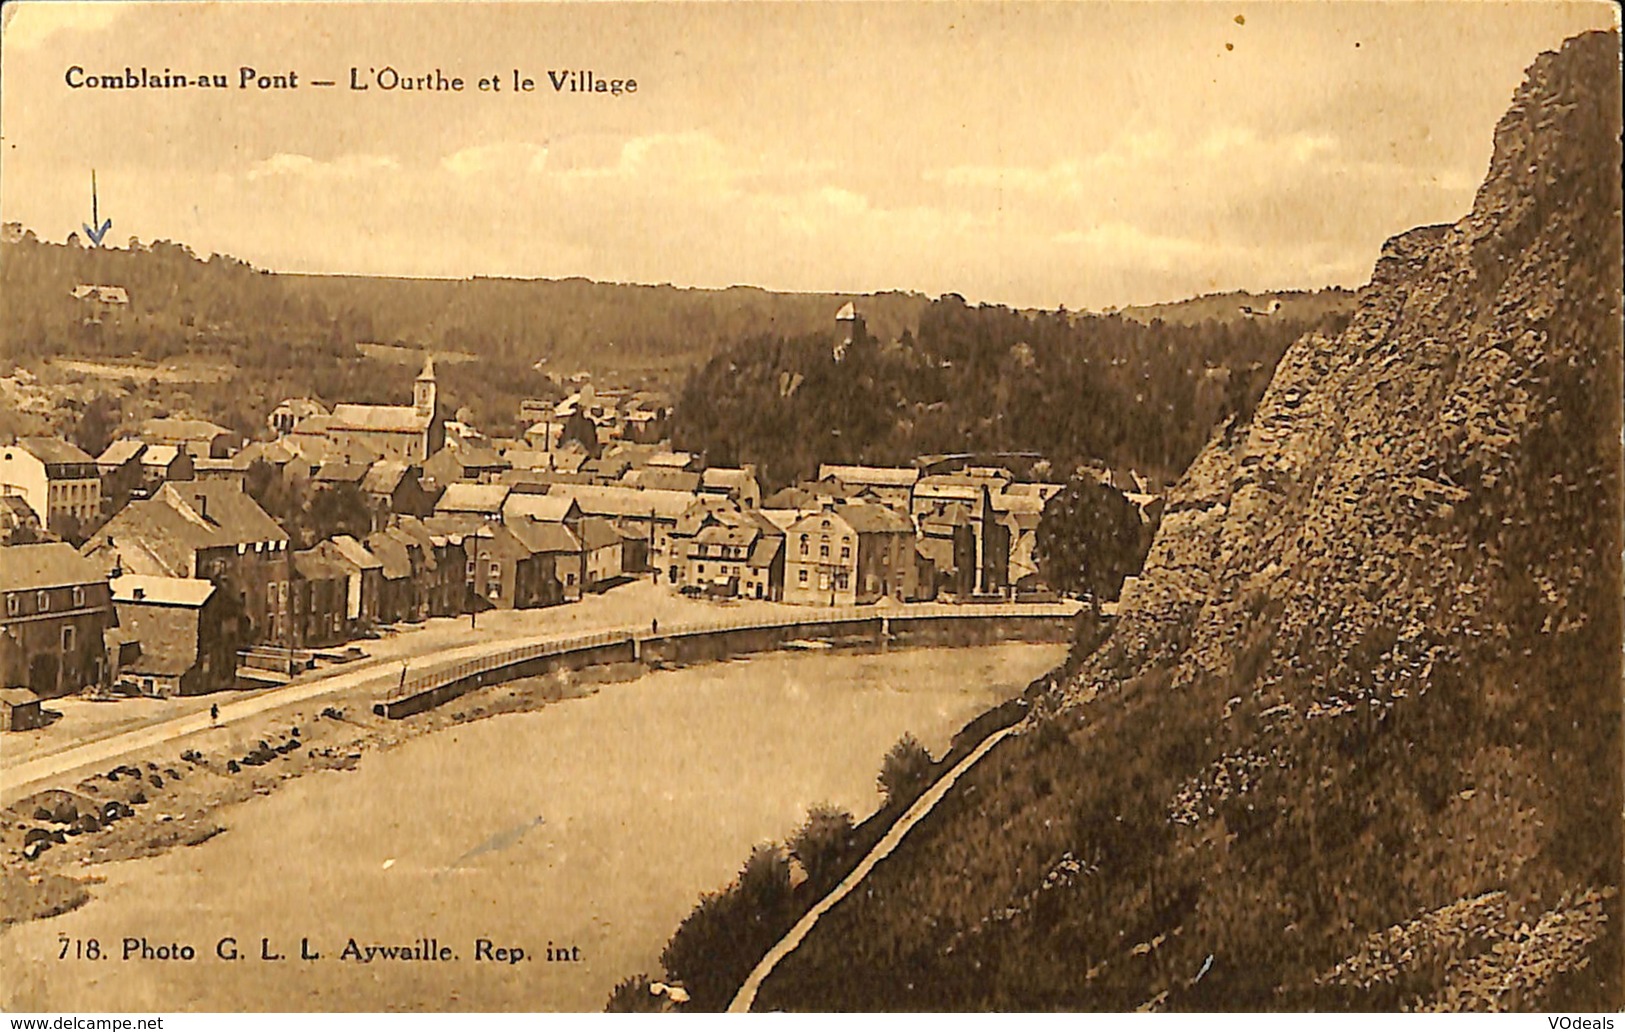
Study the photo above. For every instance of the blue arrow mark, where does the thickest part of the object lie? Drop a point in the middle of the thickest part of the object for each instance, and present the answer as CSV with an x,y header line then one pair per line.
x,y
102,227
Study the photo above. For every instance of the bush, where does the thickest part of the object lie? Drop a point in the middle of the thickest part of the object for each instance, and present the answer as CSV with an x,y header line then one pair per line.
x,y
716,946
906,772
824,846
633,996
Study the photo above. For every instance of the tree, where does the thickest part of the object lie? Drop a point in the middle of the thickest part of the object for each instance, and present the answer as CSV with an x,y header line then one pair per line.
x,y
580,428
1090,539
905,772
334,510
823,845
94,430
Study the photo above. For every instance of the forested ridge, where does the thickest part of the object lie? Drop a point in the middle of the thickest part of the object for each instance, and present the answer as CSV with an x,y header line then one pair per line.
x,y
1074,387
278,335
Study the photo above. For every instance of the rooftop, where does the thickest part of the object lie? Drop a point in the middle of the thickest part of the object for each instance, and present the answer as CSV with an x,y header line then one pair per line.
x,y
49,565
161,591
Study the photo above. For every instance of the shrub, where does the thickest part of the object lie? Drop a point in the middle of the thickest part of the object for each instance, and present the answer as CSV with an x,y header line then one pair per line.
x,y
824,846
906,772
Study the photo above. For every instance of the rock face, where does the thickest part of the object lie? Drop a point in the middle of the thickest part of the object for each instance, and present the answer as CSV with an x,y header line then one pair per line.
x,y
1355,739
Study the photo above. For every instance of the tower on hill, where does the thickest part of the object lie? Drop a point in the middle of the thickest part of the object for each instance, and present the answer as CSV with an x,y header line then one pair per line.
x,y
849,330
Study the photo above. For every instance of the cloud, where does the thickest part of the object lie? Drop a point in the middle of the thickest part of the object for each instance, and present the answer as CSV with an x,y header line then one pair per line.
x,y
300,166
1138,154
486,158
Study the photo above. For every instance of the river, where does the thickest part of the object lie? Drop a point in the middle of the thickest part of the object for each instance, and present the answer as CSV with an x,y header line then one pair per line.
x,y
590,827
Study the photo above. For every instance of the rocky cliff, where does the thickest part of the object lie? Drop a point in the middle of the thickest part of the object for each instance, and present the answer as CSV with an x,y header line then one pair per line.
x,y
1355,739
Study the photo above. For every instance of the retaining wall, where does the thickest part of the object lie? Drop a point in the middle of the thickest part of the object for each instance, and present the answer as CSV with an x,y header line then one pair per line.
x,y
683,647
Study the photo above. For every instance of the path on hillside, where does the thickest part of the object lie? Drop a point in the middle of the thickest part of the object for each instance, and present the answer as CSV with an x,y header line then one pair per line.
x,y
746,997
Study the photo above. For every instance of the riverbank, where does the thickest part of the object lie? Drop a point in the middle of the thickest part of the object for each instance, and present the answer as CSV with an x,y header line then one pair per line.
x,y
648,793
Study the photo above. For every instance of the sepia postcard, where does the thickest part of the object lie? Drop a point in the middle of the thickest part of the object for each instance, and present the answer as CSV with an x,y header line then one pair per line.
x,y
874,506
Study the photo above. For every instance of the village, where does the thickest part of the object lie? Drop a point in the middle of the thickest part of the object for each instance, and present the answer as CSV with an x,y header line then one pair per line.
x,y
188,585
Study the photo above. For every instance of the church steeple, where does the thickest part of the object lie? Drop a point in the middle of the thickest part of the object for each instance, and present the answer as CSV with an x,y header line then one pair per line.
x,y
423,390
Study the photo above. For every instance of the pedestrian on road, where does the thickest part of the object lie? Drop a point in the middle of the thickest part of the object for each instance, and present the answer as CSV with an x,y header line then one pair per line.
x,y
214,713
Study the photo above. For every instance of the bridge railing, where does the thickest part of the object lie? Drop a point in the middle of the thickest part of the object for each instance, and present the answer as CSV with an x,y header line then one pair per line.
x,y
450,673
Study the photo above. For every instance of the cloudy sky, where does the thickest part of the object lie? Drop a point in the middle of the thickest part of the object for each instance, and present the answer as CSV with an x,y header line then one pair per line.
x,y
1087,154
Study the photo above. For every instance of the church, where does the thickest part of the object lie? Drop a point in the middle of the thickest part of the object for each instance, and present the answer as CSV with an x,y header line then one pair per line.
x,y
409,433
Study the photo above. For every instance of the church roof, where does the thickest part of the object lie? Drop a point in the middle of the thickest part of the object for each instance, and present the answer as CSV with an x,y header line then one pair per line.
x,y
386,418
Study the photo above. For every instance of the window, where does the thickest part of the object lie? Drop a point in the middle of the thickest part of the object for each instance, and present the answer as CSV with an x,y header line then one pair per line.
x,y
13,603
701,569
470,574
846,553
841,581
42,601
67,639
570,578
270,596
802,577
823,551
496,571
78,597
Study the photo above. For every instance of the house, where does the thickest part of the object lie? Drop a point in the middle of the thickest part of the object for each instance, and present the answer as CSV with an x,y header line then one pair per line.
x,y
396,488
645,422
59,481
18,523
161,463
232,470
546,508
104,300
321,589
1019,514
674,460
199,437
502,572
947,541
119,466
290,412
603,552
888,485
437,567
277,454
341,472
397,592
934,494
663,479
20,710
365,579
544,435
482,500
468,463
649,514
738,484
56,609
186,630
821,564
207,529
812,495
409,433
886,565
743,559
851,554
560,553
